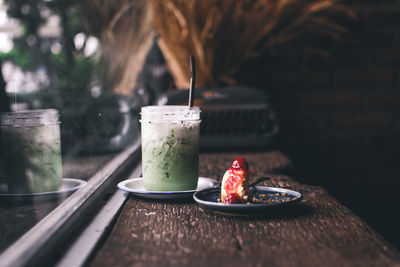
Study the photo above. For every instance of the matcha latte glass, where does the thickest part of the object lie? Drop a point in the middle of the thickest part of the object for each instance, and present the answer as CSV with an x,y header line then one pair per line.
x,y
31,150
170,147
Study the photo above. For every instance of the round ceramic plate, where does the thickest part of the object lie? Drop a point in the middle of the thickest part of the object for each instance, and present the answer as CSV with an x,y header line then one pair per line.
x,y
135,186
264,198
68,185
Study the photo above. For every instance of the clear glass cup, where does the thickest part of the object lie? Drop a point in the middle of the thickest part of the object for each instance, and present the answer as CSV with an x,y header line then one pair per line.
x,y
31,150
170,147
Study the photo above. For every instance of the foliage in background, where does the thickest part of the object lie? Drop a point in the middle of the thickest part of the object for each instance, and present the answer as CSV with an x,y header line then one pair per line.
x,y
126,31
68,70
37,48
222,35
77,83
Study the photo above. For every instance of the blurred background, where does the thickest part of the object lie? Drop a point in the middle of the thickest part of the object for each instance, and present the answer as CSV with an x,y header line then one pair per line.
x,y
330,71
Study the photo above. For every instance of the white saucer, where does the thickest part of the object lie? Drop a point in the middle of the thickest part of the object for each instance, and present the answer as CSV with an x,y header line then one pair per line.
x,y
68,185
135,186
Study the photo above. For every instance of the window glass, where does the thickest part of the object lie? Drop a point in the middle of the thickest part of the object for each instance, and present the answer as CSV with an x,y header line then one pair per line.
x,y
95,62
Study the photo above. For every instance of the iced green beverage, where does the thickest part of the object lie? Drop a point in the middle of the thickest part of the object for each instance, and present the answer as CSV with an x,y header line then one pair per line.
x,y
31,151
170,147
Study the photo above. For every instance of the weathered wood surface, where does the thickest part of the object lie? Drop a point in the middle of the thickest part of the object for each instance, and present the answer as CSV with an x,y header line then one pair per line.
x,y
318,231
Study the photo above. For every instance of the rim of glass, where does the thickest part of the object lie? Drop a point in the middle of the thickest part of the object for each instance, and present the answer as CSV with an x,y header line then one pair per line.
x,y
29,118
170,114
168,109
29,113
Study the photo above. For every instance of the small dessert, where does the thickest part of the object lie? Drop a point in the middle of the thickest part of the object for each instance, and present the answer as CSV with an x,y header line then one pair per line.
x,y
235,183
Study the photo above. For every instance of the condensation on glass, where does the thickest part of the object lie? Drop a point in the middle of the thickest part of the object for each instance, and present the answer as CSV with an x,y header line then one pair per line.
x,y
170,147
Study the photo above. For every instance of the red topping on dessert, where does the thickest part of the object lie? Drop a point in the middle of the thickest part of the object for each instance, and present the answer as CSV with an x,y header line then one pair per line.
x,y
234,181
240,163
233,198
235,184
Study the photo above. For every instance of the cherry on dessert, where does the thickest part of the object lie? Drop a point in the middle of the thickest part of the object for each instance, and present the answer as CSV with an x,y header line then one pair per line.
x,y
232,198
240,163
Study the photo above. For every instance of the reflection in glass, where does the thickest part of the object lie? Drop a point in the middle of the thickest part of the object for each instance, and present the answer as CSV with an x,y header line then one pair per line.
x,y
53,55
32,149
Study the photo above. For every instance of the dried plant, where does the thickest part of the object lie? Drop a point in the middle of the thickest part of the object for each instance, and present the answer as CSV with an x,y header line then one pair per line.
x,y
126,31
223,34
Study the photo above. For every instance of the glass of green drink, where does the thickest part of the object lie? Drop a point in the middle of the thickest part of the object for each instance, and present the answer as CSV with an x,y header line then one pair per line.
x,y
170,147
31,150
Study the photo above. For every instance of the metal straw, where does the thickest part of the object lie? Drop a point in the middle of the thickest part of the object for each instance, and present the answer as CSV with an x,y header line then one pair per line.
x,y
192,80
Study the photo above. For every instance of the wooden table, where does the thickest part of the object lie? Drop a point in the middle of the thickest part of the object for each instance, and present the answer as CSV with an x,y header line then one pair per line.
x,y
318,231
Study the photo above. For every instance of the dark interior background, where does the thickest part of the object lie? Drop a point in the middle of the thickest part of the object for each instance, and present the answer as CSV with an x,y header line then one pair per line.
x,y
340,115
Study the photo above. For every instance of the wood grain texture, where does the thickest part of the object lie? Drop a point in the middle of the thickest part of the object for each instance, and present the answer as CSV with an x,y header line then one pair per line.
x,y
318,231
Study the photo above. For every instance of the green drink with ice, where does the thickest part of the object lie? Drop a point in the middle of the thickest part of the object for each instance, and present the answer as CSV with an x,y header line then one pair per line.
x,y
170,147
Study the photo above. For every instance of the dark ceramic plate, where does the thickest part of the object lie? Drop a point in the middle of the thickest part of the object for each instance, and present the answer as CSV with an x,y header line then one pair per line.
x,y
264,198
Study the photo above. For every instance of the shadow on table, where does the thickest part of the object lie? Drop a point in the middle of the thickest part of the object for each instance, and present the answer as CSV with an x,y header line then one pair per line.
x,y
289,211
